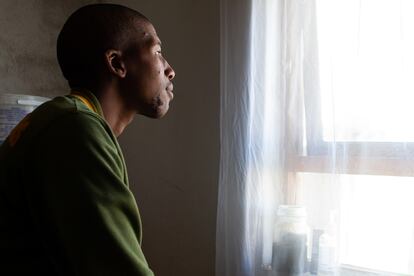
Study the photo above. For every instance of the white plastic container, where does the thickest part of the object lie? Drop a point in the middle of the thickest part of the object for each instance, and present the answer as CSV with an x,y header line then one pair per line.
x,y
328,245
13,108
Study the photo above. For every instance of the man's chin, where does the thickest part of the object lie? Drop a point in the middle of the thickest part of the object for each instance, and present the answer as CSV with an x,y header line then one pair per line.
x,y
157,113
162,113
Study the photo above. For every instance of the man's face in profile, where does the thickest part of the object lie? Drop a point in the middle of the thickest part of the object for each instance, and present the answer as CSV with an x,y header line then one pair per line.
x,y
148,82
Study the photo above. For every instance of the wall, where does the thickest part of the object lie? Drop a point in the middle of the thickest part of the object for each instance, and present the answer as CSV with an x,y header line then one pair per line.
x,y
28,34
173,163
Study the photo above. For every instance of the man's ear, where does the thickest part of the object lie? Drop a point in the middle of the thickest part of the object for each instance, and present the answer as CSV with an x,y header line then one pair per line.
x,y
115,63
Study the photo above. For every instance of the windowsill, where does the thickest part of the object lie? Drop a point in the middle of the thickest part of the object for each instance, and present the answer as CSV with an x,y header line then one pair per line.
x,y
347,270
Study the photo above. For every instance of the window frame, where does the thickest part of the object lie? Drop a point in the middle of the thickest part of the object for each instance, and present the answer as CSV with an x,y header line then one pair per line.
x,y
381,158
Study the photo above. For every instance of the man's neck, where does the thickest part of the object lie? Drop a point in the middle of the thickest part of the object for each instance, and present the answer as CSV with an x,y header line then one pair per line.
x,y
116,114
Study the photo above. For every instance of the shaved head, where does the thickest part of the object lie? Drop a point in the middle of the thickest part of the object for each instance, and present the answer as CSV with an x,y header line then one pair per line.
x,y
88,33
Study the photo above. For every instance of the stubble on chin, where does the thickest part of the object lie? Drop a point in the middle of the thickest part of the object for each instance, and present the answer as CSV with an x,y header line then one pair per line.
x,y
159,107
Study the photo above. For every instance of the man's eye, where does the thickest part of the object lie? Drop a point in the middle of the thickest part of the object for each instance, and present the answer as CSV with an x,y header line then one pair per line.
x,y
159,52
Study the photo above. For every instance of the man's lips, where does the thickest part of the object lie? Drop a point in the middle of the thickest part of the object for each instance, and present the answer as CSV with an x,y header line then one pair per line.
x,y
170,89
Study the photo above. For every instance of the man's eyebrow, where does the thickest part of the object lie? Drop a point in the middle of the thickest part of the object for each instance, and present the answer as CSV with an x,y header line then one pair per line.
x,y
152,40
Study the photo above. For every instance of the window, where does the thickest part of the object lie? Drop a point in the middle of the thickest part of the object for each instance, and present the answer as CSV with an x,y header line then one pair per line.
x,y
366,66
361,118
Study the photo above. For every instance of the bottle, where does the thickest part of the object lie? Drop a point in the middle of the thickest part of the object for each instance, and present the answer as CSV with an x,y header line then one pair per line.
x,y
290,244
327,264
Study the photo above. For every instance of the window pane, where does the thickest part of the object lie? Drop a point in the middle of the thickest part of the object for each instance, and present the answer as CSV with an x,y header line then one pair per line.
x,y
366,59
375,222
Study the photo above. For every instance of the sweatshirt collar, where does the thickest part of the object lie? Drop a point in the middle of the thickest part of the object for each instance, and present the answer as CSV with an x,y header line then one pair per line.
x,y
89,99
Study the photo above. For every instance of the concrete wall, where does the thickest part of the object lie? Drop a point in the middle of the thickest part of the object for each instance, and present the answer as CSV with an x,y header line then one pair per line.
x,y
28,34
173,163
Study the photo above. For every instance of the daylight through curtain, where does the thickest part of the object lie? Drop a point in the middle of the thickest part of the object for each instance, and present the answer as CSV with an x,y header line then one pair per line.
x,y
317,144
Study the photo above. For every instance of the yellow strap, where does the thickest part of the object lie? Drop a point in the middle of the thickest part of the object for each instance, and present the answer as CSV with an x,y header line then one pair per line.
x,y
86,102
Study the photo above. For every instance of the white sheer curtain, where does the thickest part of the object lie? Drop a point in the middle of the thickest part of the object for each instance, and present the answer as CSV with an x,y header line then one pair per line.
x,y
316,138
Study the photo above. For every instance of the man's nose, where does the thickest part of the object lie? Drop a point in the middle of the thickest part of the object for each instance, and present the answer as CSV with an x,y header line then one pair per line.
x,y
169,72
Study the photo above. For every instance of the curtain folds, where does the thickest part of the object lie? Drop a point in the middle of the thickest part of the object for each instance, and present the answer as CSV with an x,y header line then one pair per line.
x,y
317,151
230,253
249,120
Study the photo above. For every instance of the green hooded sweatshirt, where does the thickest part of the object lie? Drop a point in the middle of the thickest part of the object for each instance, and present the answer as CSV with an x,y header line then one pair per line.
x,y
65,204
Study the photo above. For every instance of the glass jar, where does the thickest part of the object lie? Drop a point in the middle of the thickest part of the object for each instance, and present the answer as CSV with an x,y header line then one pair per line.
x,y
290,242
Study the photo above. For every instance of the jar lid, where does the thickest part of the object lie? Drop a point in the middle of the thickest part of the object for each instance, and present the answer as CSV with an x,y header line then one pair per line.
x,y
298,211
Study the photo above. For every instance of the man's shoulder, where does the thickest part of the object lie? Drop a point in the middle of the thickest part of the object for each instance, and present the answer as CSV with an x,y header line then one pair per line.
x,y
61,118
66,115
64,105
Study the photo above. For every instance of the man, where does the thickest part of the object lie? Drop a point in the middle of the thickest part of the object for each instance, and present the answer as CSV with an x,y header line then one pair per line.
x,y
65,205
